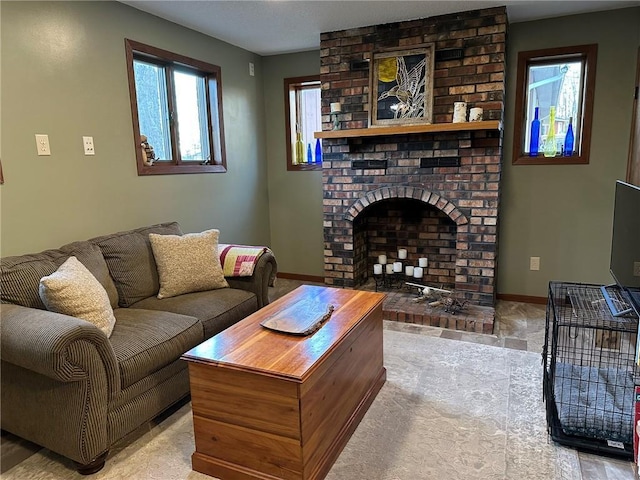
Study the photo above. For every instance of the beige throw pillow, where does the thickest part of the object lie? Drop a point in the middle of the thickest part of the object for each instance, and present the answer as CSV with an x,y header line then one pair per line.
x,y
187,263
73,290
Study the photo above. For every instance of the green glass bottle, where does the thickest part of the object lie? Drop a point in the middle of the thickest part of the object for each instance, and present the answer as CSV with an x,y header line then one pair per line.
x,y
299,149
550,147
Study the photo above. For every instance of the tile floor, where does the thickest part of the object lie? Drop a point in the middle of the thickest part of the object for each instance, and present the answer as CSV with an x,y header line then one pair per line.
x,y
517,326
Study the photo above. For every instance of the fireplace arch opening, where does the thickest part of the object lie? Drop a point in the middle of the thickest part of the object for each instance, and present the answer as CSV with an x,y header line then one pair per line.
x,y
421,229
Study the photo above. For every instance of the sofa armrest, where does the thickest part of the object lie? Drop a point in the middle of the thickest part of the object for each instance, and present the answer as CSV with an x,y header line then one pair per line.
x,y
264,276
59,376
50,343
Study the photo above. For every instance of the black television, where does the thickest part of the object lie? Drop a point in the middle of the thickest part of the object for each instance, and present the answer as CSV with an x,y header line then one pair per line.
x,y
625,249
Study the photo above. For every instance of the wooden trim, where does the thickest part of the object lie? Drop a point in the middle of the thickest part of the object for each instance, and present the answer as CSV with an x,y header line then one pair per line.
x,y
405,129
213,78
288,82
301,277
589,54
176,158
217,122
509,297
166,55
542,160
170,168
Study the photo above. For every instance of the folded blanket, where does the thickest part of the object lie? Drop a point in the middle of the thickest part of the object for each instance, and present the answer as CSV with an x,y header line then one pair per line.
x,y
239,260
595,402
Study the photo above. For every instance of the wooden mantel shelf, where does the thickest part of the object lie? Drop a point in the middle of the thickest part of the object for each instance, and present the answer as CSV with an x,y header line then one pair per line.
x,y
404,129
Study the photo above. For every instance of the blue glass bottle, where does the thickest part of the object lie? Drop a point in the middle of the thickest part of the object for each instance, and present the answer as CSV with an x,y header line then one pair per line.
x,y
318,151
568,139
534,143
309,155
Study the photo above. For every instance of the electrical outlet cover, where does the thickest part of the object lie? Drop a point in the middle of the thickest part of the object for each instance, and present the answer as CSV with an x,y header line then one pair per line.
x,y
42,144
89,149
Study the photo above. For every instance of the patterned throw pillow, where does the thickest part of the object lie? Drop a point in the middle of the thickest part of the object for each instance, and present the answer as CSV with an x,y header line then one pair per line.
x,y
73,290
187,263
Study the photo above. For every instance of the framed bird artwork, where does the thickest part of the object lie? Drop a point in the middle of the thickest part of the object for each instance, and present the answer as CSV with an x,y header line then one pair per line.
x,y
401,86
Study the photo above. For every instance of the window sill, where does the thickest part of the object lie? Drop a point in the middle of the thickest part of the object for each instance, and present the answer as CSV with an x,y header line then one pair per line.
x,y
308,167
160,169
557,160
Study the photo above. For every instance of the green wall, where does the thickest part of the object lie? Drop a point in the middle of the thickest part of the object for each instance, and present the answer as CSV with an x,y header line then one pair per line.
x,y
559,213
295,198
64,74
563,213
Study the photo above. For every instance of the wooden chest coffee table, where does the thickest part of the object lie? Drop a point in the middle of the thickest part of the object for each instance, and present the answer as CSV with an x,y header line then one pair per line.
x,y
269,405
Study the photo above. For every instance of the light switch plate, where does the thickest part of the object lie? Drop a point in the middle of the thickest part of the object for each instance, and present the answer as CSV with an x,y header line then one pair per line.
x,y
534,263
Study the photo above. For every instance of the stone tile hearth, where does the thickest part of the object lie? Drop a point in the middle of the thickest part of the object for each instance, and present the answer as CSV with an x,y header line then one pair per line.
x,y
401,306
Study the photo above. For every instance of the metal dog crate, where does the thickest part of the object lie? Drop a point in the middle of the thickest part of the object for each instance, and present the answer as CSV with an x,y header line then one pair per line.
x,y
589,370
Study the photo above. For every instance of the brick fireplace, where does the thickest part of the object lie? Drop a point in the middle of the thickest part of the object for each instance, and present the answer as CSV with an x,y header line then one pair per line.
x,y
434,193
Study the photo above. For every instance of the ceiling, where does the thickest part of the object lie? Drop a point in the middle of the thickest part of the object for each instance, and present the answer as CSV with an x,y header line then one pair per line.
x,y
270,27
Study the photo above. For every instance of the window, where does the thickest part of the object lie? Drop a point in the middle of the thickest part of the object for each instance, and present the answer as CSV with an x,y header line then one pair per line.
x,y
176,103
559,83
303,118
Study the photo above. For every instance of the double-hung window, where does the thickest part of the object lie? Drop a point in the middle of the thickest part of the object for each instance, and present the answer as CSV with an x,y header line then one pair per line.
x,y
303,118
176,105
557,85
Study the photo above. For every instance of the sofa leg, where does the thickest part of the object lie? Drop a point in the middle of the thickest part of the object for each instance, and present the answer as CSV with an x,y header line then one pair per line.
x,y
94,466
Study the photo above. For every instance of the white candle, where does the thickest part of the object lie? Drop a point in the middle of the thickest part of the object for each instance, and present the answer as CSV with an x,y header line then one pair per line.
x,y
408,271
423,262
402,253
397,266
377,269
336,107
417,272
459,112
475,115
382,259
389,267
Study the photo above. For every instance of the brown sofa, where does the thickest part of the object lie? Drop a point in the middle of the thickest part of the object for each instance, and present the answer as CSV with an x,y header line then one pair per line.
x,y
67,386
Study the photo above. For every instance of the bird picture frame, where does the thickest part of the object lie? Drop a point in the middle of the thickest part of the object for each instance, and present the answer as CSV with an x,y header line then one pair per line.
x,y
401,86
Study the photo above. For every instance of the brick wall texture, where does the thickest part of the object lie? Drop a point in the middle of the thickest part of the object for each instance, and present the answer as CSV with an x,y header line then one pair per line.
x,y
449,214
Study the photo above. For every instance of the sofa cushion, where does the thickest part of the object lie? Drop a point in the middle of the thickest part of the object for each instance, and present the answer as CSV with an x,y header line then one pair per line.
x,y
145,341
187,263
72,290
130,260
20,278
91,257
216,309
